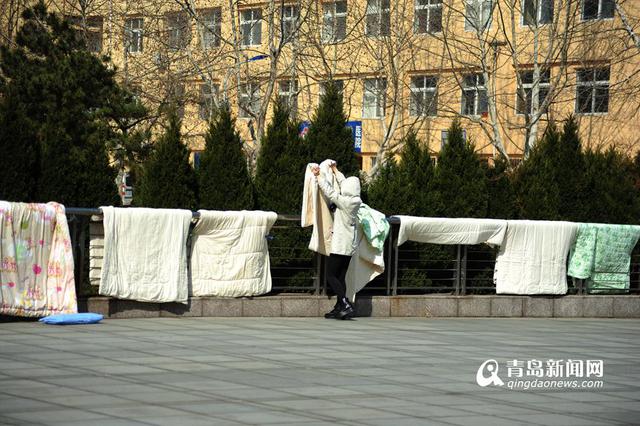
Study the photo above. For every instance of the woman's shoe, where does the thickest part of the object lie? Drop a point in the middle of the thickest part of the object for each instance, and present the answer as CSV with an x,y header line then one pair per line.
x,y
332,313
346,310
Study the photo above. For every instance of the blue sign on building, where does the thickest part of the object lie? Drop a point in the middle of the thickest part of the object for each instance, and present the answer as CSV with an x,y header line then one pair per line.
x,y
303,129
356,132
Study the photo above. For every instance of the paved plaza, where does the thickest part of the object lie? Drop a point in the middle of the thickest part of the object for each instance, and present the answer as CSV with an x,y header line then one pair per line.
x,y
241,371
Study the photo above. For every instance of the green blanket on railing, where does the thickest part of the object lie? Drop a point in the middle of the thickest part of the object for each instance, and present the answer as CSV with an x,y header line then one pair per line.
x,y
602,256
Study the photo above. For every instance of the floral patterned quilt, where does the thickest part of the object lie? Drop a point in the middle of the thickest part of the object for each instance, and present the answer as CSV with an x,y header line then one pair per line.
x,y
36,261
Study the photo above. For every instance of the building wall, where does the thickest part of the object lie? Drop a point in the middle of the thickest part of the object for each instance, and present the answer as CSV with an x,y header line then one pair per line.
x,y
566,45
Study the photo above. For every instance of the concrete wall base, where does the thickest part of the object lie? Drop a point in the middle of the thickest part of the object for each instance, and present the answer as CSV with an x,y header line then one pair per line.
x,y
426,306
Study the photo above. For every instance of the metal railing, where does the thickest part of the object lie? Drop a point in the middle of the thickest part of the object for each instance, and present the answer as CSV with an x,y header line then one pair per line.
x,y
413,268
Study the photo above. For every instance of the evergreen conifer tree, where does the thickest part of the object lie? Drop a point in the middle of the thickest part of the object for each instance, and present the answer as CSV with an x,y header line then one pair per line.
x,y
168,180
569,172
535,183
224,179
328,135
610,195
405,187
52,91
460,180
280,164
502,197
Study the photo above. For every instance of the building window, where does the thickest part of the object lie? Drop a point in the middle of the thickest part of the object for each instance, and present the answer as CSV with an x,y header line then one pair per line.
x,y
428,16
197,156
90,29
537,12
378,19
210,27
334,27
444,137
249,100
374,161
288,92
474,95
208,94
176,97
526,77
178,30
290,16
373,103
597,9
477,15
339,84
592,91
424,99
133,31
251,27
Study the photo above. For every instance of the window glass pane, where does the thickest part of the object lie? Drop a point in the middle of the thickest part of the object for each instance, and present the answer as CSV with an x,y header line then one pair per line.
x,y
601,99
608,6
435,20
469,80
546,13
470,17
373,29
585,75
421,20
468,102
431,107
590,9
529,12
602,74
483,102
487,8
583,101
385,24
341,28
527,77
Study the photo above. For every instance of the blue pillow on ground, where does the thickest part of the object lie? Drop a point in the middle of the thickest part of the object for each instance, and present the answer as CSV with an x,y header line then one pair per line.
x,y
66,319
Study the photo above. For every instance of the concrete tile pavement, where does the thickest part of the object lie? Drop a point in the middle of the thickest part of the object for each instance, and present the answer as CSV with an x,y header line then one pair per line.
x,y
371,371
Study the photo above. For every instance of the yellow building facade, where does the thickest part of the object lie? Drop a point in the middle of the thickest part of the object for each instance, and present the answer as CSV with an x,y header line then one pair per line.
x,y
505,68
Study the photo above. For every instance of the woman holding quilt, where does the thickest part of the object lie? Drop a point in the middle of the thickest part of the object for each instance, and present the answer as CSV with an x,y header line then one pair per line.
x,y
344,238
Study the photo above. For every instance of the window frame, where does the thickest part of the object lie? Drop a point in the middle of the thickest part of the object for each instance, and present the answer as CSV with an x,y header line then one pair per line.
x,y
253,102
290,22
423,92
599,16
176,96
538,21
210,28
376,9
331,18
528,88
444,136
468,25
134,34
290,95
254,24
437,4
379,95
178,30
206,103
478,91
594,85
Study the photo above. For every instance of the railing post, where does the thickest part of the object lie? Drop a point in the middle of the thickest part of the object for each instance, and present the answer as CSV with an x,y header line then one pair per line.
x,y
463,271
458,271
319,273
394,245
389,261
